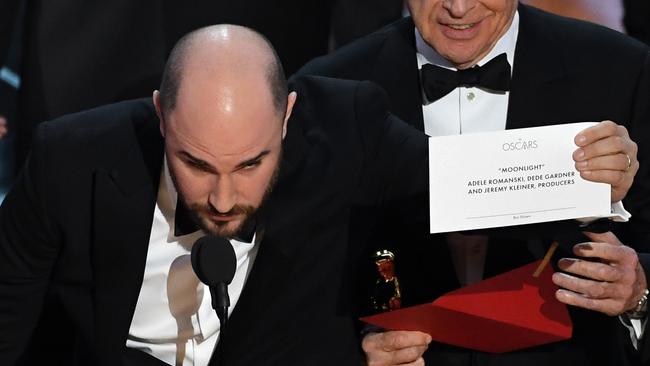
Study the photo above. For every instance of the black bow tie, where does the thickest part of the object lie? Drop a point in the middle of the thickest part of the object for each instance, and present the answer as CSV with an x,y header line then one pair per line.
x,y
438,81
183,222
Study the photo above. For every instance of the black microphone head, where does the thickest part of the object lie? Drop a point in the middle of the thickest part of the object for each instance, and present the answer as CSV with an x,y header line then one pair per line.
x,y
214,260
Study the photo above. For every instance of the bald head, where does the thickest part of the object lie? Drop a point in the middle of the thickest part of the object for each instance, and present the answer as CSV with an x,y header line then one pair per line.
x,y
224,110
224,53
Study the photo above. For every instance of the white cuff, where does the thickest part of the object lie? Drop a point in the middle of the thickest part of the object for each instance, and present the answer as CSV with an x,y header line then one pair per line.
x,y
635,326
618,213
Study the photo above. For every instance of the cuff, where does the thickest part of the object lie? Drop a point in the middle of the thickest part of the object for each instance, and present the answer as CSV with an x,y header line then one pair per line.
x,y
636,328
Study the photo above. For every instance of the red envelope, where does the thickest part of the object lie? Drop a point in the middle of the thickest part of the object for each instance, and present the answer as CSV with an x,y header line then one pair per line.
x,y
511,311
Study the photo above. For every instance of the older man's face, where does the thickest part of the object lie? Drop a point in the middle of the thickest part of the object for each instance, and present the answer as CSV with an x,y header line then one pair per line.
x,y
462,31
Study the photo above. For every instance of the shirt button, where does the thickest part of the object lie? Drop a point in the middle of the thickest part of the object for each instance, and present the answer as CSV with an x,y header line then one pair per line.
x,y
471,96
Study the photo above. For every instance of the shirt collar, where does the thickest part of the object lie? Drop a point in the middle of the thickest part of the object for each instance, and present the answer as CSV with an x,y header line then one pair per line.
x,y
506,44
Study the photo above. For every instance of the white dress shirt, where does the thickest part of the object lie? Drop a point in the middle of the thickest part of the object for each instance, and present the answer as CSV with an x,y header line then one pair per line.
x,y
174,320
467,110
470,110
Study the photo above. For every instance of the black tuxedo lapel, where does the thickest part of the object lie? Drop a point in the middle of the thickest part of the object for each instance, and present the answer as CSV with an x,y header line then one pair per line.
x,y
274,261
538,72
396,70
266,280
124,200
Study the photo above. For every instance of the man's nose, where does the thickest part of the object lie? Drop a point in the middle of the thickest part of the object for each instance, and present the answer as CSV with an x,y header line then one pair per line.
x,y
224,196
458,8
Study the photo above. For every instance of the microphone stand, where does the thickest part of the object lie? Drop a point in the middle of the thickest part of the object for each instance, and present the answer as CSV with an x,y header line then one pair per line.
x,y
220,304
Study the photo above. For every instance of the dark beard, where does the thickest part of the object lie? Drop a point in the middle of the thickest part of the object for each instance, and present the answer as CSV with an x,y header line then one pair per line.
x,y
246,228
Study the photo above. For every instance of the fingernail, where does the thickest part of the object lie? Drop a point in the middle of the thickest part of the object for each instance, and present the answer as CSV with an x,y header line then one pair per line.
x,y
580,154
567,261
582,164
581,139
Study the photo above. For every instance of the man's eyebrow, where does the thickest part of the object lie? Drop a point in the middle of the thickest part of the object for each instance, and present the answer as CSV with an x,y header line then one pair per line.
x,y
202,164
253,160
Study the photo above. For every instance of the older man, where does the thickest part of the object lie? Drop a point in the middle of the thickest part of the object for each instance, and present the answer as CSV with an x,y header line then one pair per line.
x,y
463,66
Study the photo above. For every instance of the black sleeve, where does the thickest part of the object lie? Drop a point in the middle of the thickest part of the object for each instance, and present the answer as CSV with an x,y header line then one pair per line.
x,y
636,233
29,245
395,154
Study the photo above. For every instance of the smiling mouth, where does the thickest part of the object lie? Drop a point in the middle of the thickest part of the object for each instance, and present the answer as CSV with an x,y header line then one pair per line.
x,y
461,26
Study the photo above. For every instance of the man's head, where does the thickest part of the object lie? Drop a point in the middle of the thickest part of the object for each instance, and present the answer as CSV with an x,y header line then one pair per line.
x,y
223,110
462,31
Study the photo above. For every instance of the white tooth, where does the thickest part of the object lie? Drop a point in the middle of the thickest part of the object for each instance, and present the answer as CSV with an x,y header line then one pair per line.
x,y
461,26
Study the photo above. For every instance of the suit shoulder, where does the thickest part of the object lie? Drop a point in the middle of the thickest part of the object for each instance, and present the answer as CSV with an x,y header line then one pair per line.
x,y
344,110
99,121
353,59
327,92
97,135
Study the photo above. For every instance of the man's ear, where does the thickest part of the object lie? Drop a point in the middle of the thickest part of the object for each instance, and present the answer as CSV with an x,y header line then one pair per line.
x,y
156,104
291,100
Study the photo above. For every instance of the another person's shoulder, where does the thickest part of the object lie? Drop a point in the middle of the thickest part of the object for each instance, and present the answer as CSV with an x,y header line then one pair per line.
x,y
356,58
338,107
325,92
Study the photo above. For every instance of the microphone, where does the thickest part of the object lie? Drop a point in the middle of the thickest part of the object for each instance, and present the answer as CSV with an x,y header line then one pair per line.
x,y
214,262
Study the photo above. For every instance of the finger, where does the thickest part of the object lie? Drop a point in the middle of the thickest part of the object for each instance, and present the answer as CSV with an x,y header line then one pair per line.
x,y
616,254
592,270
620,181
595,133
607,306
406,355
388,348
588,288
395,340
606,237
418,362
617,162
616,178
599,131
602,130
607,146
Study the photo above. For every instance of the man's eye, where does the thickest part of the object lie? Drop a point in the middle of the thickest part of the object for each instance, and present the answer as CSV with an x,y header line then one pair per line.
x,y
195,164
252,164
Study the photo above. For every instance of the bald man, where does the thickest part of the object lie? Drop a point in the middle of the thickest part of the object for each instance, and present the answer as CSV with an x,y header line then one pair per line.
x,y
95,237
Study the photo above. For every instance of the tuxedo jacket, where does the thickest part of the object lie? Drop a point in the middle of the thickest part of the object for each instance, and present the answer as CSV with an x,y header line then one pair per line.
x,y
564,71
74,231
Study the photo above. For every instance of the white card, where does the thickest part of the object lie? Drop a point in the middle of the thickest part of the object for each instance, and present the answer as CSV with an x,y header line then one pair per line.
x,y
510,177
